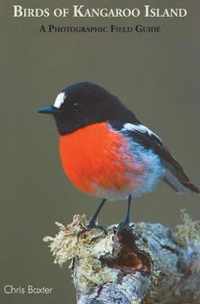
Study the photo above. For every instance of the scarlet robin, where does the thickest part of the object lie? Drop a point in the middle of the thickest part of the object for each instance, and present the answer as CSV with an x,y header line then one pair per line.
x,y
106,151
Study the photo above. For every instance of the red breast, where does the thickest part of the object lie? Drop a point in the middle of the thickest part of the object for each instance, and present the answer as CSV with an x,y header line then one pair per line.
x,y
95,156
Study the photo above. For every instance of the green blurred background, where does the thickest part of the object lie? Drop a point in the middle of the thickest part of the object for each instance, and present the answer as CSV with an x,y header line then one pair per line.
x,y
156,75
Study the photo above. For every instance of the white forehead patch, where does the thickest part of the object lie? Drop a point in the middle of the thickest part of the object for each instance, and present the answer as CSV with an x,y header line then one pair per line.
x,y
59,100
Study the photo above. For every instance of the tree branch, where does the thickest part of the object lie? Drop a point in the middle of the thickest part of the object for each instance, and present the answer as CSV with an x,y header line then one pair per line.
x,y
148,263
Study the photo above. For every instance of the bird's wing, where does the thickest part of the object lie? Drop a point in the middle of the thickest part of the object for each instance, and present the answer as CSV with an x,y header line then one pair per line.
x,y
175,175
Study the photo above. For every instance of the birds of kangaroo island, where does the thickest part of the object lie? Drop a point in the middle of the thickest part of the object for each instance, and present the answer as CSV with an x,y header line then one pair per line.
x,y
107,152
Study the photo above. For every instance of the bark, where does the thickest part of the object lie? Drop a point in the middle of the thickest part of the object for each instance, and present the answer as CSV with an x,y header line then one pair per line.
x,y
146,263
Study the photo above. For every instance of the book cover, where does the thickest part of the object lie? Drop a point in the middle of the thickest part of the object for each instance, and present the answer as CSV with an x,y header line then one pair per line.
x,y
144,52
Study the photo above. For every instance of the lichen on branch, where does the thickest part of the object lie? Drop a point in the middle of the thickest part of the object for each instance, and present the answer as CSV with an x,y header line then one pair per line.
x,y
146,263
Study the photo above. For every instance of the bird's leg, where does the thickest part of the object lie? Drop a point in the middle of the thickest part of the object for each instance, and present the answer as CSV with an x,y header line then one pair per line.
x,y
125,223
93,220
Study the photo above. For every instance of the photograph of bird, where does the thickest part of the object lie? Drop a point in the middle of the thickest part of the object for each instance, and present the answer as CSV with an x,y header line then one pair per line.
x,y
107,152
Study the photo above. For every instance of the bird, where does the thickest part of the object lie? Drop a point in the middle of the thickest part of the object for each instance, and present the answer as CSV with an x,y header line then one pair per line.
x,y
106,152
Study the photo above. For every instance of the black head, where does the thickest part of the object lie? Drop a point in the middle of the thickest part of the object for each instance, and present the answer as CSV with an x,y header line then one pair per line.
x,y
85,103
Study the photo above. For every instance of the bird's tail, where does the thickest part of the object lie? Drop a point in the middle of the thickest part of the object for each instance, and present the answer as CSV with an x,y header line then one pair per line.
x,y
176,178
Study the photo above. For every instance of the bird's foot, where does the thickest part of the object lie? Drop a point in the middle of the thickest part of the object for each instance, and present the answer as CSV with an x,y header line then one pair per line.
x,y
91,226
123,226
94,225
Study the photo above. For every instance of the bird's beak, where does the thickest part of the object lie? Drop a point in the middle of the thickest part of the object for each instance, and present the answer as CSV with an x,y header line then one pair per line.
x,y
47,110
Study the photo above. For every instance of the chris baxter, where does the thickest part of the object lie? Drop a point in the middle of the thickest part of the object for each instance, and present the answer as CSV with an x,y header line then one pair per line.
x,y
29,289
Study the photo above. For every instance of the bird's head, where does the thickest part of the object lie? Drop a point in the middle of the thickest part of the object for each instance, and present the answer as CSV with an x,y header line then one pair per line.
x,y
82,104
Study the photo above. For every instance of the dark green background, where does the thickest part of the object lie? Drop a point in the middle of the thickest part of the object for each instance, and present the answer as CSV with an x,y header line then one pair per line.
x,y
156,75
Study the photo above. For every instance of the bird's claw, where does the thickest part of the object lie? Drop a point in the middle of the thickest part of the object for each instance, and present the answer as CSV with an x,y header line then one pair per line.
x,y
93,225
122,226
